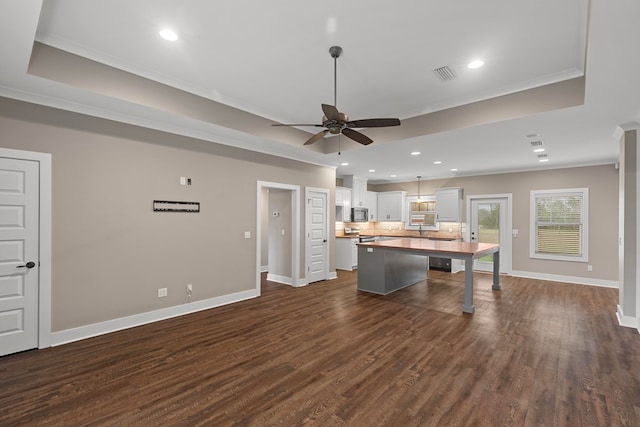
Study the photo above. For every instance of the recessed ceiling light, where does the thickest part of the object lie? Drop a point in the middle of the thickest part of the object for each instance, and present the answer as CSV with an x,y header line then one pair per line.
x,y
538,150
454,169
415,153
393,176
344,164
372,170
168,35
476,64
437,162
543,160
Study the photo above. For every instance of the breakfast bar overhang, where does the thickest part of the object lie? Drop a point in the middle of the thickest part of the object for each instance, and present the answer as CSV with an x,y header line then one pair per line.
x,y
389,265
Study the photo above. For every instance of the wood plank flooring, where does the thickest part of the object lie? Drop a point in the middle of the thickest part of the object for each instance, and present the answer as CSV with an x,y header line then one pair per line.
x,y
534,354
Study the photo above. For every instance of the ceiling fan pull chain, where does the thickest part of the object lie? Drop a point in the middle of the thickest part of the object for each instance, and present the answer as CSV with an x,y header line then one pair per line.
x,y
335,81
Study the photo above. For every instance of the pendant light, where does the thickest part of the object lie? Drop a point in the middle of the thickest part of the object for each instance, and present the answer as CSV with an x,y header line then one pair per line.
x,y
419,199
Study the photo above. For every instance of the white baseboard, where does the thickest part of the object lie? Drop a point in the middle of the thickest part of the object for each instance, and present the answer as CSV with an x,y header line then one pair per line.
x,y
332,275
567,279
626,321
264,268
280,279
88,331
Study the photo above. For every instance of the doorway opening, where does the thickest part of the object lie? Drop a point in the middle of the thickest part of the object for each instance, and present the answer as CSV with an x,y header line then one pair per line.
x,y
278,233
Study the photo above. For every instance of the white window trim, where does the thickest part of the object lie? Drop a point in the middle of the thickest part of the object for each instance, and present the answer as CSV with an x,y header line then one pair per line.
x,y
585,225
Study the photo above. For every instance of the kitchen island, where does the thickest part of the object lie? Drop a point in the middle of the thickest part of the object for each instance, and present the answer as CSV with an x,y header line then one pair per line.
x,y
389,265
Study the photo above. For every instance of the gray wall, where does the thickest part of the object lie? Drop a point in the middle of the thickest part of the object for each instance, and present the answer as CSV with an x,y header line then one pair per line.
x,y
602,182
111,252
280,246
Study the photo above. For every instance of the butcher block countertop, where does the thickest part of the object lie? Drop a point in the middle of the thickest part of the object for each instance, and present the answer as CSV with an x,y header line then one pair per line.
x,y
428,245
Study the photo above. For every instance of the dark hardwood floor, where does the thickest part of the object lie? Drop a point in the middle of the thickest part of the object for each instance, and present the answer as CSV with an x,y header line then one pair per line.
x,y
536,353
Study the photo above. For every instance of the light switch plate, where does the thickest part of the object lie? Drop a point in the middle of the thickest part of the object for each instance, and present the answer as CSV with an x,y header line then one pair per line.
x,y
247,234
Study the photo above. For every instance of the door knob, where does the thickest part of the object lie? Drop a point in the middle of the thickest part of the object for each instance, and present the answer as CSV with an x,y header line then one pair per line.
x,y
30,264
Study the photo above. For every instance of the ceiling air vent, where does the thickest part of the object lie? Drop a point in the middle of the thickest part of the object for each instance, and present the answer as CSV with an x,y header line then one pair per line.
x,y
445,73
542,156
537,143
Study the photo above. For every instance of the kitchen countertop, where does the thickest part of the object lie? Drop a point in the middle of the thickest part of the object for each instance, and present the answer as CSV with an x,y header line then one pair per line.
x,y
429,246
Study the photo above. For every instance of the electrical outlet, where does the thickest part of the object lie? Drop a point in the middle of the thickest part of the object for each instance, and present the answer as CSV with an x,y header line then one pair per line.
x,y
589,267
162,292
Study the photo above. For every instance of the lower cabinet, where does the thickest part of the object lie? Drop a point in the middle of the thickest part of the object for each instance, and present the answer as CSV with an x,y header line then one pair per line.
x,y
347,253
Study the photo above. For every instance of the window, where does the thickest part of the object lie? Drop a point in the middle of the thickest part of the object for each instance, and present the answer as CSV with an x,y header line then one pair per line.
x,y
559,224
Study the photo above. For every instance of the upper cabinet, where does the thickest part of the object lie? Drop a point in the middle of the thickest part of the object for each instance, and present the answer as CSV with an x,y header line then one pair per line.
x,y
358,188
372,205
343,204
391,205
448,204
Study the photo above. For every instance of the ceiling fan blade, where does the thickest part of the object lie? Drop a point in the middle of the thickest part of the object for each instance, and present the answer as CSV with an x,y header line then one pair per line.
x,y
373,123
357,136
331,112
296,124
317,137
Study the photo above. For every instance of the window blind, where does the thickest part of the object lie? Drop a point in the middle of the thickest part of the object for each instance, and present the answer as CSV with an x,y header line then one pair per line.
x,y
559,223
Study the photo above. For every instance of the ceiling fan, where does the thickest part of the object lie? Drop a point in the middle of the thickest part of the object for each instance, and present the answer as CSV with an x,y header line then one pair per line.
x,y
336,122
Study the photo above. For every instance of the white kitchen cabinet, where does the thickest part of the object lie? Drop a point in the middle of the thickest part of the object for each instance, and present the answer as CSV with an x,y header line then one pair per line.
x,y
358,187
347,253
448,204
391,205
372,205
343,204
339,196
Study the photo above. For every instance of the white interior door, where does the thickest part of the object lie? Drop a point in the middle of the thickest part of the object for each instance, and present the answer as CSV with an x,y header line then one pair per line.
x,y
489,225
317,230
19,199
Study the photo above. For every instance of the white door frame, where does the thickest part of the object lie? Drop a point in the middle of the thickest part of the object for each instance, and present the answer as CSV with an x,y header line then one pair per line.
x,y
295,230
307,244
507,248
44,239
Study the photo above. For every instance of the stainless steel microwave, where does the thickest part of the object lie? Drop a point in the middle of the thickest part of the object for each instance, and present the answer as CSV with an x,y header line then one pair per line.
x,y
359,214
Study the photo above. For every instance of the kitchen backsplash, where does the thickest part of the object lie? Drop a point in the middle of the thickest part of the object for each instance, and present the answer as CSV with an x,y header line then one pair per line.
x,y
447,229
